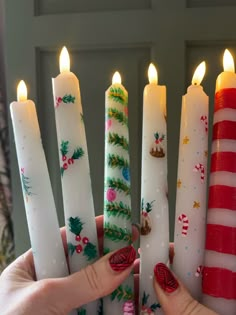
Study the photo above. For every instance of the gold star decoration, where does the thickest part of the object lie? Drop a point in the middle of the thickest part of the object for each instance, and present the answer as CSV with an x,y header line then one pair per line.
x,y
179,183
186,140
196,204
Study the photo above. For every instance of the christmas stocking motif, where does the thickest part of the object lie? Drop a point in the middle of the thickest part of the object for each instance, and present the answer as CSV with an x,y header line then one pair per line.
x,y
83,245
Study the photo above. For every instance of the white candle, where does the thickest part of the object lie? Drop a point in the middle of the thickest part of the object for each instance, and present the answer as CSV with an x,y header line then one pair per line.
x,y
75,173
46,242
219,273
117,199
154,242
189,237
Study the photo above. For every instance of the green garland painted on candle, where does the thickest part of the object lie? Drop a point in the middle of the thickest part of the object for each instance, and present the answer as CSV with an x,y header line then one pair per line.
x,y
116,209
116,234
118,95
118,184
114,161
122,293
118,115
115,139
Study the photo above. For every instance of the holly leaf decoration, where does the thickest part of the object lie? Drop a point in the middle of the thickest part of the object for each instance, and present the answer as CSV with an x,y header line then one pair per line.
x,y
106,250
64,147
75,225
71,248
154,306
68,99
145,298
122,293
78,153
90,251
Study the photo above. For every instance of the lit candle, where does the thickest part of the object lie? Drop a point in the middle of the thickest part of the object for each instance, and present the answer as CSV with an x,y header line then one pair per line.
x,y
154,242
46,242
75,173
117,199
190,217
219,273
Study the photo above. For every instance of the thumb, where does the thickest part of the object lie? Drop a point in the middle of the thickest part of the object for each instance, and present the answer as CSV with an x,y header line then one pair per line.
x,y
173,296
96,280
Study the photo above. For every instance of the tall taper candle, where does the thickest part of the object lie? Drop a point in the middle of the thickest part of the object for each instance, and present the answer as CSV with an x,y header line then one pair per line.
x,y
190,217
75,174
117,198
154,242
219,273
45,237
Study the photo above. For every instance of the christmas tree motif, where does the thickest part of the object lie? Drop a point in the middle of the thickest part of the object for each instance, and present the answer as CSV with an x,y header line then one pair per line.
x,y
146,225
118,95
148,310
122,293
116,161
119,185
121,141
66,99
83,244
117,115
67,161
25,184
117,234
118,209
157,150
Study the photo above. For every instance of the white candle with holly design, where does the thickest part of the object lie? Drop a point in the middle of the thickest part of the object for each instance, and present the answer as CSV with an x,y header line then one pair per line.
x,y
190,217
75,173
45,237
117,195
154,240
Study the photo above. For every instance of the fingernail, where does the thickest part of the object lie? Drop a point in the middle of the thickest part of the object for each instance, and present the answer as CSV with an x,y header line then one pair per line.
x,y
122,259
165,278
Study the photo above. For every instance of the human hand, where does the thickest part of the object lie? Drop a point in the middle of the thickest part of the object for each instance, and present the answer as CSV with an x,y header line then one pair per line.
x,y
21,294
173,296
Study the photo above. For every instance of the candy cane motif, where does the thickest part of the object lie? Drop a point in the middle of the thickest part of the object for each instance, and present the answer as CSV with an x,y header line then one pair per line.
x,y
199,271
205,121
200,168
184,219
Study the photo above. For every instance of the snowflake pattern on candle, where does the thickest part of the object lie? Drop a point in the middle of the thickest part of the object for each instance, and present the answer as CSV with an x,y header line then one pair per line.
x,y
148,310
66,162
83,244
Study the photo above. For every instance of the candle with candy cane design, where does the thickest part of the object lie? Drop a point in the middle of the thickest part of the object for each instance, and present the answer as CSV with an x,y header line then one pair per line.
x,y
190,220
75,174
154,241
117,199
219,272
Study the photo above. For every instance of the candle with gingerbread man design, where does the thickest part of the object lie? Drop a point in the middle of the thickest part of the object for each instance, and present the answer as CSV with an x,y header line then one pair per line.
x,y
154,241
117,194
75,174
190,217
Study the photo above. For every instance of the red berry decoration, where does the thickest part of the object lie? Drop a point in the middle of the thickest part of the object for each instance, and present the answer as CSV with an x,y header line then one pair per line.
x,y
65,166
78,238
64,158
85,240
79,248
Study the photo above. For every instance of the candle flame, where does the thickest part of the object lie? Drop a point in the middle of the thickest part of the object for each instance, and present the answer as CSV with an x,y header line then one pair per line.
x,y
64,60
116,78
199,73
152,74
21,91
228,61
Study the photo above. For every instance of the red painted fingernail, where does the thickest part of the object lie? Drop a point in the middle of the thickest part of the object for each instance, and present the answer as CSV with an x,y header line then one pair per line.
x,y
123,258
165,278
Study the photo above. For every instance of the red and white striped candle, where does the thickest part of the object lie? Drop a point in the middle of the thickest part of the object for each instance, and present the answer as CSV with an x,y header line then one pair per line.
x,y
219,272
191,192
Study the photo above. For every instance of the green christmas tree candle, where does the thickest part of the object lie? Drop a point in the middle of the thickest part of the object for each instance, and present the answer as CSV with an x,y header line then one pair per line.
x,y
117,194
75,173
